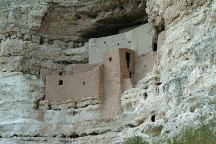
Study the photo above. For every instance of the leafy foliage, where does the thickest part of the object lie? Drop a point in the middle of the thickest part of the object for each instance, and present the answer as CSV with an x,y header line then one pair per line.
x,y
203,135
135,140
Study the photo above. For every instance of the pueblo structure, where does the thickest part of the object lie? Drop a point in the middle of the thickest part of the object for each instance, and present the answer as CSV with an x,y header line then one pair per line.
x,y
116,63
106,80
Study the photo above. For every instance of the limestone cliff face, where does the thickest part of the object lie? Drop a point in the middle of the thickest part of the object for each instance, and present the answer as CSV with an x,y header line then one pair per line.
x,y
179,93
43,33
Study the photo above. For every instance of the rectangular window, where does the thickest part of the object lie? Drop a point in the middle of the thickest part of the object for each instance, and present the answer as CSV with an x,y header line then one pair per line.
x,y
127,54
60,82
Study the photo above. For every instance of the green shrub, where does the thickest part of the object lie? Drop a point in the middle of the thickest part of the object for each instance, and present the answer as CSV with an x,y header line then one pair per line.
x,y
135,140
202,135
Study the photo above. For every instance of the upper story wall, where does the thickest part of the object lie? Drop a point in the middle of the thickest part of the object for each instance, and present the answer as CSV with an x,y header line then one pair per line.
x,y
140,39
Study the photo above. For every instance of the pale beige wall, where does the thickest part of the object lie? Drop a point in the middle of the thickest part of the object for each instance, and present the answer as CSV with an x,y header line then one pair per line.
x,y
139,39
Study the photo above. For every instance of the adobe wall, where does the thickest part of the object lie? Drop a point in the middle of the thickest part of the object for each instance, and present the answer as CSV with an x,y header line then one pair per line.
x,y
47,72
60,89
77,68
139,39
112,84
81,68
107,80
116,79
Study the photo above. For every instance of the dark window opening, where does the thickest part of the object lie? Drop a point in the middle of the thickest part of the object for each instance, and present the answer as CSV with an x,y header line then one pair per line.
x,y
167,132
110,59
41,41
153,118
128,59
154,47
145,96
83,83
130,75
60,82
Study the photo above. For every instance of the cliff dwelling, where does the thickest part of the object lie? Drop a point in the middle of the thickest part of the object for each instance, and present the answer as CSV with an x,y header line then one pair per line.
x,y
116,64
107,80
107,71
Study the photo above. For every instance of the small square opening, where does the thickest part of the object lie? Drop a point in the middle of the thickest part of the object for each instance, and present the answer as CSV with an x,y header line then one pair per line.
x,y
110,59
60,82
